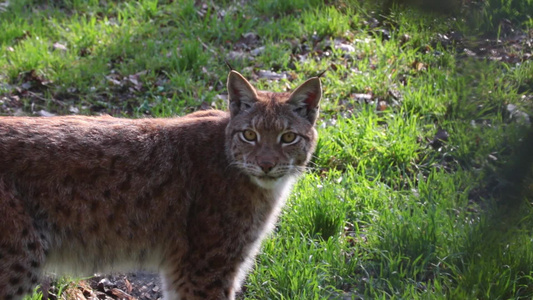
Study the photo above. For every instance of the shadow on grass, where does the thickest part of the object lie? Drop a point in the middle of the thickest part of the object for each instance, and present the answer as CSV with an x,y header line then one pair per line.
x,y
496,262
119,58
128,57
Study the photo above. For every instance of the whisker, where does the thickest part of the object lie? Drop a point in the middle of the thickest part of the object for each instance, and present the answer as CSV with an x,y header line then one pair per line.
x,y
237,164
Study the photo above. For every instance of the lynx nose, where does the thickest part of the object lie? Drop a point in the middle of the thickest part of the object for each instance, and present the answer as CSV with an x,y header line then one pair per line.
x,y
266,166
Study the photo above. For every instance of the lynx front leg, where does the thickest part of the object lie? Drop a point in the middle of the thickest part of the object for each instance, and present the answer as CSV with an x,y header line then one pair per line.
x,y
19,270
21,250
213,278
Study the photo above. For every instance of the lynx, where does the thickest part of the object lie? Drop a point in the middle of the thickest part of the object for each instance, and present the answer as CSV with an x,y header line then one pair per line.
x,y
190,197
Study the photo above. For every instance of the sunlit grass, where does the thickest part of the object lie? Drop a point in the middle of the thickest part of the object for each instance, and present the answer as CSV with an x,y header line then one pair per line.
x,y
386,211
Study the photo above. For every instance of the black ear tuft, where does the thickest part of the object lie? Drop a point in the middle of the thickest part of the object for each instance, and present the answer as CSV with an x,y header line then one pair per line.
x,y
229,66
321,73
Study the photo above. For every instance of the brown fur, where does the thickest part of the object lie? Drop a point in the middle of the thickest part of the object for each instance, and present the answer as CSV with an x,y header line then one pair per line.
x,y
189,196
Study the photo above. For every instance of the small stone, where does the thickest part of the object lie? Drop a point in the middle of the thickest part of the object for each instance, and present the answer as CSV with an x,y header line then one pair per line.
x,y
44,113
257,51
271,75
405,38
58,46
345,47
104,284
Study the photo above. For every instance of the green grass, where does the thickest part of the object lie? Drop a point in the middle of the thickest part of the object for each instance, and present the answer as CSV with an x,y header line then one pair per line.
x,y
492,12
383,213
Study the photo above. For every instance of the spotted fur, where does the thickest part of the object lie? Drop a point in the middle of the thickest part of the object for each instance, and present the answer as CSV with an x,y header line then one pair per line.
x,y
190,197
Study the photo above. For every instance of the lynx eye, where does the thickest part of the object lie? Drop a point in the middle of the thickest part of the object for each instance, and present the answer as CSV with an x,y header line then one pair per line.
x,y
288,137
249,135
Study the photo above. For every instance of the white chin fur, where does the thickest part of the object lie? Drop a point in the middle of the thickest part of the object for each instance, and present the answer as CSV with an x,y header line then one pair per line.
x,y
270,183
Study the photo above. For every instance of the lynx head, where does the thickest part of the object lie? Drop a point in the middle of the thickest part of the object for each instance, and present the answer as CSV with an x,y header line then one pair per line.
x,y
271,136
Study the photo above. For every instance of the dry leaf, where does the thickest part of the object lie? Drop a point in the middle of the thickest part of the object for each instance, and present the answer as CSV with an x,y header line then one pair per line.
x,y
418,66
120,294
127,283
382,105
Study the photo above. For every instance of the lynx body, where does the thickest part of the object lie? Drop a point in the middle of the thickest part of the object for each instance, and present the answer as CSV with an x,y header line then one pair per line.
x,y
189,197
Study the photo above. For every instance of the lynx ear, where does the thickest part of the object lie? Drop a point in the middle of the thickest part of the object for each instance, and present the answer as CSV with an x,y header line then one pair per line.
x,y
242,94
305,99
